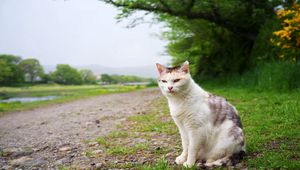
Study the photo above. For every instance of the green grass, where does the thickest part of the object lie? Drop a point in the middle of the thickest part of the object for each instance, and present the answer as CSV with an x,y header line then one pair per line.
x,y
123,150
64,93
270,76
102,141
271,123
270,119
61,167
88,154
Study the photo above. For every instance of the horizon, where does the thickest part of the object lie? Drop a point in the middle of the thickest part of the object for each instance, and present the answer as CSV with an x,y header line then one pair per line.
x,y
77,33
147,71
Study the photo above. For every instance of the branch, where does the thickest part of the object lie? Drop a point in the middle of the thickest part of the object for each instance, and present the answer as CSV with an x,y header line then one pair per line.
x,y
212,17
165,5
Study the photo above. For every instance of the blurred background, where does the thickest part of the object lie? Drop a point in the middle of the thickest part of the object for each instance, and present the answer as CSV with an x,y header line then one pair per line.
x,y
243,42
248,43
81,33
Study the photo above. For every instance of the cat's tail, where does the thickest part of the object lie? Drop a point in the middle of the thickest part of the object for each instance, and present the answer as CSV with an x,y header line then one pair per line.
x,y
227,160
236,158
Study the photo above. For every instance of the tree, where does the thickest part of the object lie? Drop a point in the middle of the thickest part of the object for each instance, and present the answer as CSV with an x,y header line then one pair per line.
x,y
87,76
65,74
32,68
45,78
114,79
107,79
5,72
218,34
241,17
10,72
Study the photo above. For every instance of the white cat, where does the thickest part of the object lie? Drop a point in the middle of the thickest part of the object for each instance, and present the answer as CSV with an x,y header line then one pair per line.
x,y
209,126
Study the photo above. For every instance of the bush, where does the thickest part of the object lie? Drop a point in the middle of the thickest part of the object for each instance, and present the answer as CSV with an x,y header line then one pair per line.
x,y
152,83
280,76
287,38
271,76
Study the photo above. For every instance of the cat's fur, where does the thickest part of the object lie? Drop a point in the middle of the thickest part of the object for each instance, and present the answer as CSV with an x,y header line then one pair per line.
x,y
209,126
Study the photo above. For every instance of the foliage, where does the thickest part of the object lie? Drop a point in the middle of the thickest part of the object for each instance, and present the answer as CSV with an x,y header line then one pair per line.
x,y
275,76
45,78
32,68
15,71
10,71
152,83
287,39
65,74
115,79
217,37
5,72
107,78
263,50
87,76
267,76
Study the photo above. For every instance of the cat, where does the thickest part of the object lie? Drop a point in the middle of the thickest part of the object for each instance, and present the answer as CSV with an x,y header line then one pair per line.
x,y
209,126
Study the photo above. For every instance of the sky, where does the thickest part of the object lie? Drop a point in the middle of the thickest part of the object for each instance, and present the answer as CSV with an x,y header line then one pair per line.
x,y
76,32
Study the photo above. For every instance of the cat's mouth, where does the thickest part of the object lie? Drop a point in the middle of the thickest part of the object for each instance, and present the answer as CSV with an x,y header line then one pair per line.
x,y
171,91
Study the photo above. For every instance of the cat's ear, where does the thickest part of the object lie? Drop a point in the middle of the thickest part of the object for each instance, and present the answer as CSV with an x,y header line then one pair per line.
x,y
160,68
185,67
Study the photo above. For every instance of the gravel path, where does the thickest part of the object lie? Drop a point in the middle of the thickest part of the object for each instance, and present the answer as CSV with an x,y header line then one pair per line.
x,y
55,135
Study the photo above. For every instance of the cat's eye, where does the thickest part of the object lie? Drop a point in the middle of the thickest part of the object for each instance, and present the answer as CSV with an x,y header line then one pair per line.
x,y
176,80
164,81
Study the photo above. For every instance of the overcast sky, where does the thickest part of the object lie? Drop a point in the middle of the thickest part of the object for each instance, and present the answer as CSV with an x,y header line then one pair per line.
x,y
76,32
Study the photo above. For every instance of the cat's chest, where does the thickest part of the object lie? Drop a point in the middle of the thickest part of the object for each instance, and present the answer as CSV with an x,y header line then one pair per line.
x,y
184,109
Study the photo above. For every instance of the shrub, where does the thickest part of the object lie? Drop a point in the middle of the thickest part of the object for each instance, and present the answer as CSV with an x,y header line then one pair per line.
x,y
267,76
287,39
280,76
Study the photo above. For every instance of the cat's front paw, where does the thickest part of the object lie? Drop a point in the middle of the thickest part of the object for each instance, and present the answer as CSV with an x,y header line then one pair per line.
x,y
188,164
180,159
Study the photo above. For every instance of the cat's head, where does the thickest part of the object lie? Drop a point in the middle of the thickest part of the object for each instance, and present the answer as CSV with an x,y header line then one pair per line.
x,y
173,80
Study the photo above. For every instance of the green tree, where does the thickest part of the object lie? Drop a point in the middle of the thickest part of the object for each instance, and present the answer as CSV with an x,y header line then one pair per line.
x,y
107,79
65,74
32,68
114,79
10,72
5,72
87,76
216,36
45,78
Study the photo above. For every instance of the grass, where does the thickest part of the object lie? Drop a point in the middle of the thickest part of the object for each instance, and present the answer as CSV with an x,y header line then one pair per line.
x,y
270,76
270,120
271,123
88,153
64,93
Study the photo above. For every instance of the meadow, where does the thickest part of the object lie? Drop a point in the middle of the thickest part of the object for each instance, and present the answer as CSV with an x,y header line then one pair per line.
x,y
64,93
151,141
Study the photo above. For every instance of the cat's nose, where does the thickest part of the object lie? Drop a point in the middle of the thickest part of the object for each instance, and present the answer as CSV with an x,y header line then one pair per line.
x,y
170,88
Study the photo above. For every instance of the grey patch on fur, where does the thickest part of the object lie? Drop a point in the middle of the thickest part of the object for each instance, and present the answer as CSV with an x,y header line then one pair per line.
x,y
235,132
242,143
223,111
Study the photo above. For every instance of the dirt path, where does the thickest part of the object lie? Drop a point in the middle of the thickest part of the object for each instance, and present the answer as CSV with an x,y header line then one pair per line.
x,y
54,135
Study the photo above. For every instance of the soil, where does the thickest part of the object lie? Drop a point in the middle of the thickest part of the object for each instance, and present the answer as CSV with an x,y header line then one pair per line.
x,y
55,135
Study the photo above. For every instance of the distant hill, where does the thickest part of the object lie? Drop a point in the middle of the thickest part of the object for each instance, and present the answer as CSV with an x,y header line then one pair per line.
x,y
143,71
